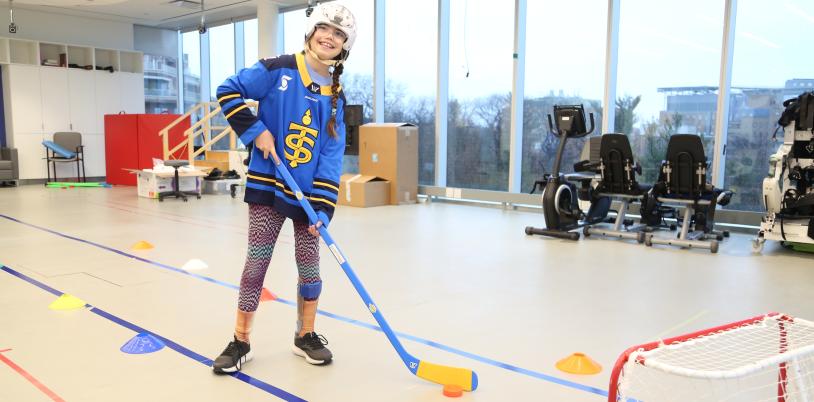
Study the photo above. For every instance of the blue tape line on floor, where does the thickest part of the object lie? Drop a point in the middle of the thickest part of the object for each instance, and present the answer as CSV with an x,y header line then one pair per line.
x,y
170,344
427,342
135,257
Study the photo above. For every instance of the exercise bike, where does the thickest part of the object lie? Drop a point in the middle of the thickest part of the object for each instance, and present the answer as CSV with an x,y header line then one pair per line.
x,y
560,197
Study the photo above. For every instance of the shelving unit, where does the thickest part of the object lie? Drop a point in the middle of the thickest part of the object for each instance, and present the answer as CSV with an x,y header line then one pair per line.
x,y
107,58
30,52
23,52
55,52
81,56
131,62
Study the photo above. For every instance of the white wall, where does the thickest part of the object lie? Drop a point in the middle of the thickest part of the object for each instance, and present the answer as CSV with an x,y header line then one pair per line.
x,y
51,27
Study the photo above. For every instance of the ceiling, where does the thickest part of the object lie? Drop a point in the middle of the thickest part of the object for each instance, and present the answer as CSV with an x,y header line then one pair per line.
x,y
170,14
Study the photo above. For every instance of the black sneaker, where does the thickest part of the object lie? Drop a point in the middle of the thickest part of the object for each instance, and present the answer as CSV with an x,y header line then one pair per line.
x,y
215,174
233,357
312,347
232,174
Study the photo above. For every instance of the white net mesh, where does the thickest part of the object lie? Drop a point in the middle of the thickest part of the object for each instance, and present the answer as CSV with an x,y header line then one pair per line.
x,y
770,360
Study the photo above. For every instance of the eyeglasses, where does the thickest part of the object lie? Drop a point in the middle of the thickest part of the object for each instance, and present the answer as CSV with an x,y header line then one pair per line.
x,y
335,31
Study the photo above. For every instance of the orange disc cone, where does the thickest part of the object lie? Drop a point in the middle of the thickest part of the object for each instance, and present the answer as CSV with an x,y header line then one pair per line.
x,y
142,245
265,295
579,363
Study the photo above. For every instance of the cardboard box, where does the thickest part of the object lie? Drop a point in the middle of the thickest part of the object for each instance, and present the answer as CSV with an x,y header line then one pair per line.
x,y
149,184
390,151
357,190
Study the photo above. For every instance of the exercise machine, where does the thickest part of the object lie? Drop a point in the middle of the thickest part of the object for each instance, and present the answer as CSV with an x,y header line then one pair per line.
x,y
561,209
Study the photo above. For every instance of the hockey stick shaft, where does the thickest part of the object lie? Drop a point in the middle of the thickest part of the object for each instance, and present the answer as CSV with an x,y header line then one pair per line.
x,y
465,378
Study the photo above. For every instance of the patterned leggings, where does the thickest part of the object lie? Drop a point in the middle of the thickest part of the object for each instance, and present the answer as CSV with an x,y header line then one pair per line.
x,y
264,226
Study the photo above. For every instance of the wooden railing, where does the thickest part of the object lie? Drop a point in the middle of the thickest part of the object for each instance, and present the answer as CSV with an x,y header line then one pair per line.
x,y
202,128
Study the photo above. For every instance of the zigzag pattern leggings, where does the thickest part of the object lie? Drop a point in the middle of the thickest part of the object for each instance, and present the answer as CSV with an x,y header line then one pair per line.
x,y
264,227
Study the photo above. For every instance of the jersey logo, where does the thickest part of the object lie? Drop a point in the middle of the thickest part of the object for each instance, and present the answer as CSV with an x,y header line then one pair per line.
x,y
284,82
298,138
314,87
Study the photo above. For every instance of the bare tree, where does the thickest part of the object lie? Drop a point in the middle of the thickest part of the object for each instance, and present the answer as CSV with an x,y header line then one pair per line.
x,y
625,113
358,90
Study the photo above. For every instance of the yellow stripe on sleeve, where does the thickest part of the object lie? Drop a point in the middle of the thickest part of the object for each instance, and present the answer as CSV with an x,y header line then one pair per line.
x,y
239,108
224,97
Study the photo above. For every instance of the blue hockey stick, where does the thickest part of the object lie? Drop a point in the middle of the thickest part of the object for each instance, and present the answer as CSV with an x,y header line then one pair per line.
x,y
444,375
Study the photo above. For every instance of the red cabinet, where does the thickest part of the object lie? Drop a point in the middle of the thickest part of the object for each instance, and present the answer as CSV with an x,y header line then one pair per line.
x,y
133,140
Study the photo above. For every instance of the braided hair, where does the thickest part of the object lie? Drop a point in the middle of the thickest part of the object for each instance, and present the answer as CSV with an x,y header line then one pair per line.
x,y
337,71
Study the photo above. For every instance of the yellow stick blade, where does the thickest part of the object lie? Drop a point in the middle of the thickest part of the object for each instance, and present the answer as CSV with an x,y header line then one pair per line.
x,y
446,375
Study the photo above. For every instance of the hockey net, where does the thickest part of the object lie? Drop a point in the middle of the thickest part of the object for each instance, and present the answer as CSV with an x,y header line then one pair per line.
x,y
765,358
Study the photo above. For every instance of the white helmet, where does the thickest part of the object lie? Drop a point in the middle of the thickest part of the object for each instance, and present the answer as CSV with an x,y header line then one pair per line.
x,y
335,15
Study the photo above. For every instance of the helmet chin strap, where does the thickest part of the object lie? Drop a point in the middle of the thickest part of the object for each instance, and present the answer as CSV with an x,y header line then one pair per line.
x,y
329,63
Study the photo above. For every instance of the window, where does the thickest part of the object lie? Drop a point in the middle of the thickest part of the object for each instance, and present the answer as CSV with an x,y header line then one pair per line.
x,y
758,91
221,67
250,46
294,27
560,69
669,64
221,56
357,78
160,84
410,89
480,83
191,46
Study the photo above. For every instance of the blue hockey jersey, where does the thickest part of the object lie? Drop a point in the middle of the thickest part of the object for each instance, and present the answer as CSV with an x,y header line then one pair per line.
x,y
296,111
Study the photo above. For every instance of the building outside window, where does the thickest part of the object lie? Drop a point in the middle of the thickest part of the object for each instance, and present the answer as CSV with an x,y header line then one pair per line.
x,y
160,84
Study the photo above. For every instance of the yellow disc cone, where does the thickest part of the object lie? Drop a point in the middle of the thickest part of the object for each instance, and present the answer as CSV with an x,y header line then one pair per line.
x,y
579,363
66,302
142,245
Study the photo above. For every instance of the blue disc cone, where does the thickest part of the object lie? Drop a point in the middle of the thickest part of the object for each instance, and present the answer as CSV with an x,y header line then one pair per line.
x,y
142,343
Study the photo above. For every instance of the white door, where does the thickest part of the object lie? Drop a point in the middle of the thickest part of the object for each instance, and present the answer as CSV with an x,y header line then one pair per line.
x,y
108,97
24,98
54,90
132,92
81,91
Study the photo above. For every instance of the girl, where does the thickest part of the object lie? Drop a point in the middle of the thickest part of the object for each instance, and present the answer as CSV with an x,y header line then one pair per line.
x,y
299,121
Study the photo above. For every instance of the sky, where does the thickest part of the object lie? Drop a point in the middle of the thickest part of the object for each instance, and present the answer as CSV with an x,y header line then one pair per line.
x,y
661,44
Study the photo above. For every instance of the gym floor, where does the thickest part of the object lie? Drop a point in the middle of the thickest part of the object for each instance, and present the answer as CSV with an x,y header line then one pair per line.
x,y
462,284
